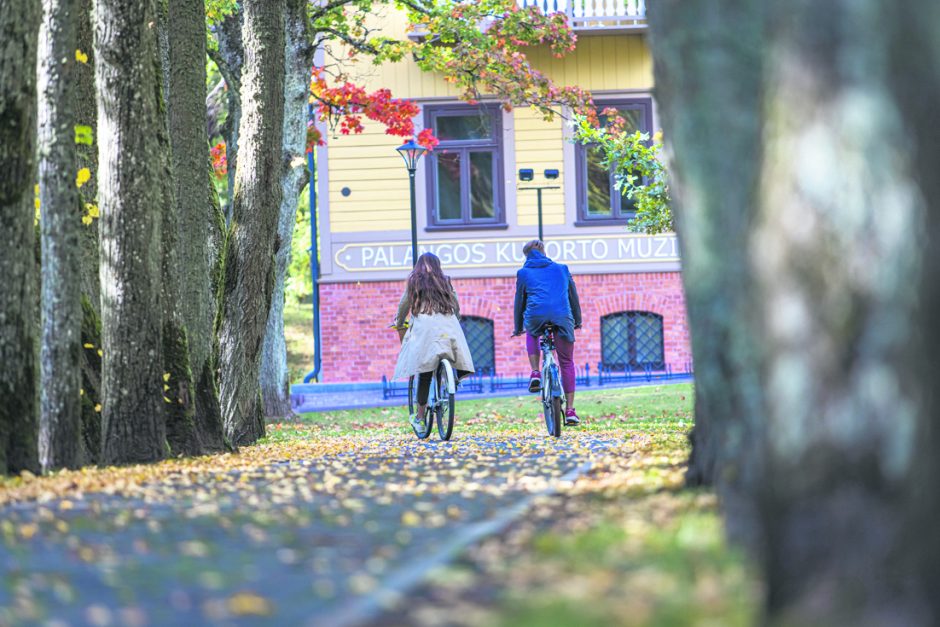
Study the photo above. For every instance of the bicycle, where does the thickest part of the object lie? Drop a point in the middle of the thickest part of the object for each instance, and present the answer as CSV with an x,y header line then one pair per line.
x,y
553,395
441,403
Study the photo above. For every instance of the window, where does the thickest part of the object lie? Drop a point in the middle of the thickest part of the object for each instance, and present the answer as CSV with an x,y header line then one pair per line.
x,y
465,170
479,333
632,340
599,201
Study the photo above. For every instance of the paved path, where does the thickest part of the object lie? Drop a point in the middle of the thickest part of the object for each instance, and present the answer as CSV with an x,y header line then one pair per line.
x,y
293,542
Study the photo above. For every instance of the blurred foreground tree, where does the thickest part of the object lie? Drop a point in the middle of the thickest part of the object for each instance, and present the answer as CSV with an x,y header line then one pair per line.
x,y
799,206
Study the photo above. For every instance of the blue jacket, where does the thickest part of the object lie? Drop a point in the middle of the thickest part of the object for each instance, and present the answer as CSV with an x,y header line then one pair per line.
x,y
545,292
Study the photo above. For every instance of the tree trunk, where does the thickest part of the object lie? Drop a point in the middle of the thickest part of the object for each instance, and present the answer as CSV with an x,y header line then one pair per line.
x,y
707,65
19,23
275,379
60,442
179,386
252,241
130,197
818,226
196,212
836,289
915,74
86,113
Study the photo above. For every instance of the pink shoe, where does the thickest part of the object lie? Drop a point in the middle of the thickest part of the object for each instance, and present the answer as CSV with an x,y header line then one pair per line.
x,y
571,418
535,381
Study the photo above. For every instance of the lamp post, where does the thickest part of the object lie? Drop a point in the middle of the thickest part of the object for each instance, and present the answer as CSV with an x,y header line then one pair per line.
x,y
527,175
411,152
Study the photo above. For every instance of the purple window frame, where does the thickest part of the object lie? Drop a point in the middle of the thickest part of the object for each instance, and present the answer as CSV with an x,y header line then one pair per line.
x,y
617,213
465,147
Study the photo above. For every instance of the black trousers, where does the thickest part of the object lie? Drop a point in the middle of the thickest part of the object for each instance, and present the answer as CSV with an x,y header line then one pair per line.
x,y
424,387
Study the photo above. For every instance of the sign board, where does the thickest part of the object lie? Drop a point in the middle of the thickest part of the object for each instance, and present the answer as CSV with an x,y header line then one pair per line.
x,y
507,252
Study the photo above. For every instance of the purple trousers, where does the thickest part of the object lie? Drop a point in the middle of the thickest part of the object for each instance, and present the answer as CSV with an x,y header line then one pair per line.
x,y
565,352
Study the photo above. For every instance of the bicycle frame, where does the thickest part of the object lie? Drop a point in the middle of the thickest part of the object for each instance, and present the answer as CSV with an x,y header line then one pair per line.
x,y
547,346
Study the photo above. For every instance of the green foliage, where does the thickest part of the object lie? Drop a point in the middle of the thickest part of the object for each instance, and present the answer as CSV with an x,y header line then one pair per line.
x,y
299,285
218,10
638,170
83,135
479,47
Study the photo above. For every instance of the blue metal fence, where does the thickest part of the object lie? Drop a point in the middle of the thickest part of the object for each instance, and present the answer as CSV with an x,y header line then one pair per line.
x,y
478,383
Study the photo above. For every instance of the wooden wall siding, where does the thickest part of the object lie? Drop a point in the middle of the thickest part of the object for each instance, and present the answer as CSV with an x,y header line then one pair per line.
x,y
374,173
599,63
369,166
539,145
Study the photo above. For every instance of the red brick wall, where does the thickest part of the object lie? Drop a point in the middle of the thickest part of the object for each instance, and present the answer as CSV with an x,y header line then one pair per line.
x,y
358,346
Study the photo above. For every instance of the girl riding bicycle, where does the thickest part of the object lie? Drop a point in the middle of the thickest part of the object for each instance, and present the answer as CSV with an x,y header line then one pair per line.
x,y
434,332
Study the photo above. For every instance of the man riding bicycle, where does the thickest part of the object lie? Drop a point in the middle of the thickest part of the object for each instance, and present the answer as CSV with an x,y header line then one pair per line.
x,y
546,294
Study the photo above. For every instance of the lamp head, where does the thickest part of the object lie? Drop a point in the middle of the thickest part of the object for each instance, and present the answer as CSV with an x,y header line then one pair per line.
x,y
551,174
411,152
526,174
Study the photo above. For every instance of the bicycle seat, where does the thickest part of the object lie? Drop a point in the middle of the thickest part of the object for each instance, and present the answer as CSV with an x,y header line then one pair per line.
x,y
548,327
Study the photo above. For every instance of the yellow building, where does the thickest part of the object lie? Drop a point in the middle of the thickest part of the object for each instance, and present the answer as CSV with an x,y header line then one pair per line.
x,y
475,213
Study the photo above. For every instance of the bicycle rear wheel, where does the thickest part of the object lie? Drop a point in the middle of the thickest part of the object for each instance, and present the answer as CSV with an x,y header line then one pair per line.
x,y
445,381
551,400
428,421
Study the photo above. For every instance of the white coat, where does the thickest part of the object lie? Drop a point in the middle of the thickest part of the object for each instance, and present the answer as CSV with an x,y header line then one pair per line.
x,y
430,338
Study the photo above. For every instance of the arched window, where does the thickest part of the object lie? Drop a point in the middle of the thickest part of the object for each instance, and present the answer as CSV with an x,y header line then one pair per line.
x,y
479,333
632,340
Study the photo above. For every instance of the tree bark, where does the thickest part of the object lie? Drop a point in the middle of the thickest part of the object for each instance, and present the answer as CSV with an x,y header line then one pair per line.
x,y
252,241
19,25
86,113
130,197
818,227
915,73
60,442
836,272
178,387
197,214
707,65
275,378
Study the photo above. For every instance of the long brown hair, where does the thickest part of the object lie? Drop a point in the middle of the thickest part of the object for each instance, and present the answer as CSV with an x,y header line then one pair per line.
x,y
429,290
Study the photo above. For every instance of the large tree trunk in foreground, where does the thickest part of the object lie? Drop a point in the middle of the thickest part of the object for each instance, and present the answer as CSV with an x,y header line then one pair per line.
x,y
834,277
60,442
19,28
275,378
707,62
249,260
196,214
915,70
836,265
129,192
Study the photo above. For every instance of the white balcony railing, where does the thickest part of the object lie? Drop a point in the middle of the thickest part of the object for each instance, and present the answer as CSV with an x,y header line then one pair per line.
x,y
596,14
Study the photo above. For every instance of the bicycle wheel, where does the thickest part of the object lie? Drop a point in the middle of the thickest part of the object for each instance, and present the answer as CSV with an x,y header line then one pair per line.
x,y
551,400
428,422
446,385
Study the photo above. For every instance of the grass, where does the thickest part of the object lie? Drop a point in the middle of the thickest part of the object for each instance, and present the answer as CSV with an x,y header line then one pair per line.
x,y
662,411
298,333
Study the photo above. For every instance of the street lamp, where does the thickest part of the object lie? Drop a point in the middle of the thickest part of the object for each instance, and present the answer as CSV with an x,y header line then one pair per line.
x,y
411,152
527,175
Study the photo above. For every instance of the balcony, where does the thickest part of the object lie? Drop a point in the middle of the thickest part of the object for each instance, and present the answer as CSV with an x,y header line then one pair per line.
x,y
597,15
